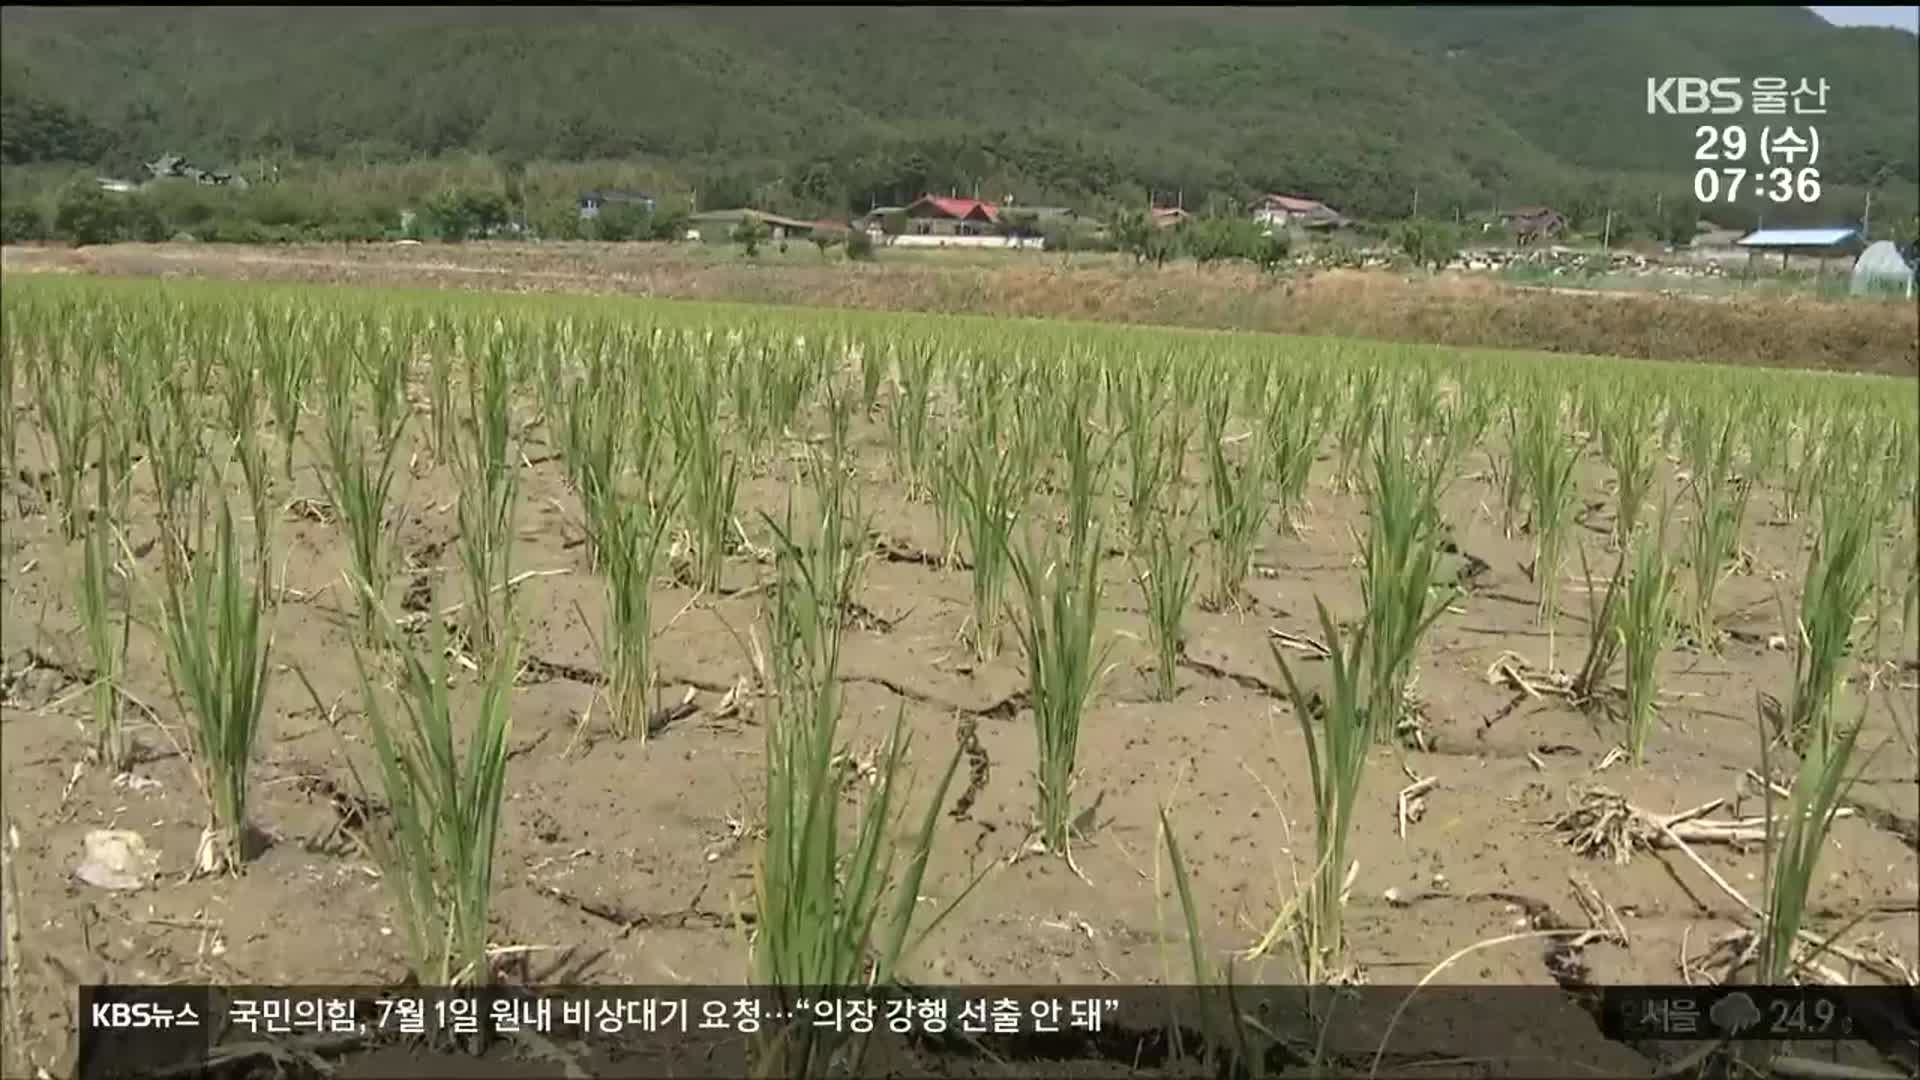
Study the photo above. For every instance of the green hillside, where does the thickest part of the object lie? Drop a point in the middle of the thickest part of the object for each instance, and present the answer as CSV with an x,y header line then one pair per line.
x,y
843,107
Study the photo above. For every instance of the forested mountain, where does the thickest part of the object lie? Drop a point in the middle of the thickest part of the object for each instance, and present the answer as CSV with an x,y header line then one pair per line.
x,y
850,105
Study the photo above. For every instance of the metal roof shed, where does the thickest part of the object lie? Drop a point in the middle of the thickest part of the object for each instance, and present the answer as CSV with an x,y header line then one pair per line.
x,y
1821,244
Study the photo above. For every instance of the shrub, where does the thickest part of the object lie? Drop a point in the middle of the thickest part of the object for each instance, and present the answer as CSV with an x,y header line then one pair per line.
x,y
21,223
1430,244
1272,249
455,215
859,245
619,223
86,215
749,234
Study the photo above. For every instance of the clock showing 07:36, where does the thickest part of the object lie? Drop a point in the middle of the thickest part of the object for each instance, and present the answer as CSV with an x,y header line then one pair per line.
x,y
1781,185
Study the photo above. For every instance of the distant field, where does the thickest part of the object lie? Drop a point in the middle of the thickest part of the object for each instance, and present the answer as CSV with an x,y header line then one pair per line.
x,y
1479,311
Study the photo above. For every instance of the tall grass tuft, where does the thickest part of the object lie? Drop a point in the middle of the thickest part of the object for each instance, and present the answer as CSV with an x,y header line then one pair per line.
x,y
217,637
358,479
1399,582
1646,629
1837,584
489,487
1624,432
1548,459
1719,507
824,917
1237,507
1168,575
1336,762
712,472
444,801
106,642
66,391
1819,788
631,532
990,476
1063,665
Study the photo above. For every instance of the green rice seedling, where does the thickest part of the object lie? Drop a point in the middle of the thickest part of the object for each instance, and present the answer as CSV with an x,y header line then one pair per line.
x,y
1768,436
440,405
1354,432
286,356
1793,852
1399,582
1230,1039
1548,460
1603,632
1719,505
383,365
1646,628
1336,762
908,414
1290,439
1087,462
358,480
443,800
1168,576
67,399
713,476
828,917
873,371
1471,416
240,392
215,622
991,480
1237,508
489,488
1624,443
1064,665
1509,471
1837,585
1138,399
106,642
632,532
173,432
14,360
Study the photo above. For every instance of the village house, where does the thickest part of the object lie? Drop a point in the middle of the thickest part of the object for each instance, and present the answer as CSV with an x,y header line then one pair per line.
x,y
1295,211
718,226
1528,225
1168,217
936,215
591,202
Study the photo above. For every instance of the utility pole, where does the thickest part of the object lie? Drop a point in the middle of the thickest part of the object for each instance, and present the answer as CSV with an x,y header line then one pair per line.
x,y
1606,235
1866,219
1416,204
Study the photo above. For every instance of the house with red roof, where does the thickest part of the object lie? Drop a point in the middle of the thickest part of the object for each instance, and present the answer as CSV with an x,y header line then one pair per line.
x,y
1295,210
939,215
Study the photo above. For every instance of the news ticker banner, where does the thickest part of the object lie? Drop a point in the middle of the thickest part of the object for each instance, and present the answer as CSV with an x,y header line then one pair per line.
x,y
634,1031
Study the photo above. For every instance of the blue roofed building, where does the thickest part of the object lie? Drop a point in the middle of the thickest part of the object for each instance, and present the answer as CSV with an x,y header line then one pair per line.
x,y
1818,244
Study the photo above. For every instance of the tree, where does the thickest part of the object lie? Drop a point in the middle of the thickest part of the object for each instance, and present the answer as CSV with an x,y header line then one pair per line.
x,y
618,222
668,225
1679,221
86,215
1271,249
825,240
750,234
455,215
20,223
1133,234
1430,244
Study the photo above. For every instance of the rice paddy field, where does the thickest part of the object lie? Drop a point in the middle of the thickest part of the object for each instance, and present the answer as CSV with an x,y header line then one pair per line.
x,y
357,635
